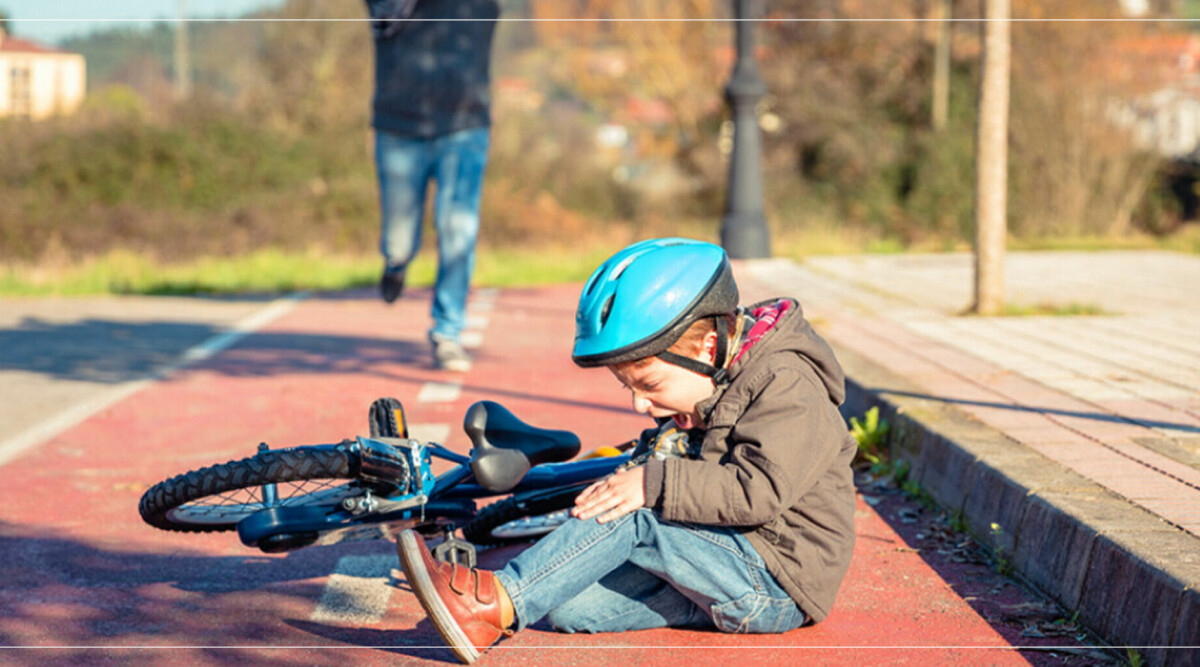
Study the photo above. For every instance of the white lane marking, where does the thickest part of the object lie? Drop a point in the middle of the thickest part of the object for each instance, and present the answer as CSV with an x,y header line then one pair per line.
x,y
471,339
247,326
477,318
357,592
479,322
439,392
13,447
429,432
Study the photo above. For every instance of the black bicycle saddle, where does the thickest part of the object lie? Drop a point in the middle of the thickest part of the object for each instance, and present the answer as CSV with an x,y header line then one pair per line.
x,y
506,447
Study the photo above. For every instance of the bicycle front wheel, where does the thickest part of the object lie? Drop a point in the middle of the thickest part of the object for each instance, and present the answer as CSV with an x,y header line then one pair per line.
x,y
217,497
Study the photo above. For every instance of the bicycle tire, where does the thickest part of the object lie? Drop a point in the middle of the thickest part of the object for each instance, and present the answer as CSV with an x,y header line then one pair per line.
x,y
313,475
521,518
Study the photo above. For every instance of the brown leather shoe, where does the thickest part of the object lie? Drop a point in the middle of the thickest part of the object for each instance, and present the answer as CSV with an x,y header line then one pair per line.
x,y
462,603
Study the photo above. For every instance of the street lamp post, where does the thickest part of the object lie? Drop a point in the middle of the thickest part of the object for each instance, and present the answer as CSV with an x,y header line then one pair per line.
x,y
744,227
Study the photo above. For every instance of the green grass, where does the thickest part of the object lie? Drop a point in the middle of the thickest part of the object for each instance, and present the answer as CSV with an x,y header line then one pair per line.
x,y
539,266
1052,309
1186,240
123,272
871,435
819,236
276,271
273,271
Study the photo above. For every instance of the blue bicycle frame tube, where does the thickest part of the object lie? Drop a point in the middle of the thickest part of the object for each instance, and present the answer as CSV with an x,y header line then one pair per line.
x,y
543,476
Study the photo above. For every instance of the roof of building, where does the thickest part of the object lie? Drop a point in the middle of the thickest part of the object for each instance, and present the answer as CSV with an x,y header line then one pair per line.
x,y
10,44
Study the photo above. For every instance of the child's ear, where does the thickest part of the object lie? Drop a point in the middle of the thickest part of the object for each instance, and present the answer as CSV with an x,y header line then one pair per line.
x,y
708,352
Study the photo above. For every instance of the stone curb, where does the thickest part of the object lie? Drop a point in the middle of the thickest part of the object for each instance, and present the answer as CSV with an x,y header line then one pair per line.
x,y
1133,578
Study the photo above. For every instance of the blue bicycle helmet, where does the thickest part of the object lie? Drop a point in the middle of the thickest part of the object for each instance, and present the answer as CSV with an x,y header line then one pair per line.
x,y
640,301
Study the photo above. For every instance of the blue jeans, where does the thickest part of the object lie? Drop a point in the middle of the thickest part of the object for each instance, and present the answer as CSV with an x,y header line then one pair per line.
x,y
640,572
456,162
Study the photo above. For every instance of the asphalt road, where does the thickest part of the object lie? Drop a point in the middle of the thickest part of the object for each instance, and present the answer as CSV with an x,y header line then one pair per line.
x,y
169,385
62,360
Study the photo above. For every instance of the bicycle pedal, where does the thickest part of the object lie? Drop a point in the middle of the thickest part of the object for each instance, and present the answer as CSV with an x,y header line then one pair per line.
x,y
455,551
387,419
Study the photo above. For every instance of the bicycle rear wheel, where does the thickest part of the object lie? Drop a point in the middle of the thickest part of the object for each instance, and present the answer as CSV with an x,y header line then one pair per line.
x,y
217,497
522,518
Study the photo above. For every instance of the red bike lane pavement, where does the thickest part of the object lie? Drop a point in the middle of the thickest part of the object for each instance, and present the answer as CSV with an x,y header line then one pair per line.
x,y
84,580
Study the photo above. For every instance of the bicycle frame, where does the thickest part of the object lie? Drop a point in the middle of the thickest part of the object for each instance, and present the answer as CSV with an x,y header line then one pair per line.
x,y
447,499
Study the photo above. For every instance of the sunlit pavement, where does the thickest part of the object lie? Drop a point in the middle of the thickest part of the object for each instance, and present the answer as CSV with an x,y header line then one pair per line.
x,y
1067,440
83,575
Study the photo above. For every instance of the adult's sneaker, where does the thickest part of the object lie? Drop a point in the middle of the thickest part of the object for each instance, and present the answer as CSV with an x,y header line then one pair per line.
x,y
449,355
391,285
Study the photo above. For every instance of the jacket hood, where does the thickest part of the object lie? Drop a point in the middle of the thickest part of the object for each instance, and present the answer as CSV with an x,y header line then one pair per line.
x,y
774,458
793,333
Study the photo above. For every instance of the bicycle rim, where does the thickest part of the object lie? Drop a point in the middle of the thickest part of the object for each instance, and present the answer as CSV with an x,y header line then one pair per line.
x,y
217,497
229,508
530,527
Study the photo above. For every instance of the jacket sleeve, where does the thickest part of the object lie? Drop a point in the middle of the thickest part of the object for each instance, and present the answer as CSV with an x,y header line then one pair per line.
x,y
786,438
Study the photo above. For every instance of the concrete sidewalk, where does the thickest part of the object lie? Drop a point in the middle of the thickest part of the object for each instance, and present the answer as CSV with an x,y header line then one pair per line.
x,y
1069,444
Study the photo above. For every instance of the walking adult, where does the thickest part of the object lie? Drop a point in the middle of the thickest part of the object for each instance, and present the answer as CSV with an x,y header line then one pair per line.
x,y
432,118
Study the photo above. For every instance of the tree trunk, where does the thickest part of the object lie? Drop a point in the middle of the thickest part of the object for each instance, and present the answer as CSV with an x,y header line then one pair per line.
x,y
183,65
940,106
991,160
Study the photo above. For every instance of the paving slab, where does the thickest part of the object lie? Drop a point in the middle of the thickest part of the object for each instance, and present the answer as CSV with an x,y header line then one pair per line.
x,y
1066,441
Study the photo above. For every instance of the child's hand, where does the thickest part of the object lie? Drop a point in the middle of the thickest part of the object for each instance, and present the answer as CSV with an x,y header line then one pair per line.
x,y
612,497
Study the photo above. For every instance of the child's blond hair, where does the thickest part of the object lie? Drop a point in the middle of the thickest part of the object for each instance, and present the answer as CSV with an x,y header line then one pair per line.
x,y
689,344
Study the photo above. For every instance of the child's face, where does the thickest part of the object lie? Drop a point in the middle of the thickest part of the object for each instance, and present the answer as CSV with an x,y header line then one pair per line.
x,y
665,390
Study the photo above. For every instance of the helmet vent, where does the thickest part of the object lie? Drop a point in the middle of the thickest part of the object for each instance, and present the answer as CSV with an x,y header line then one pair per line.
x,y
593,282
605,311
620,268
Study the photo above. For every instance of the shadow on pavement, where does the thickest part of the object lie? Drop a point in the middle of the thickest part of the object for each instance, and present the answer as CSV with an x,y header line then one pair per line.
x,y
77,594
1040,629
421,642
1098,416
112,352
97,350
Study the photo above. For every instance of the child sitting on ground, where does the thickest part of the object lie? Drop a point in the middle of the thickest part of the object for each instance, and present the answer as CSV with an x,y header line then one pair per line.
x,y
739,511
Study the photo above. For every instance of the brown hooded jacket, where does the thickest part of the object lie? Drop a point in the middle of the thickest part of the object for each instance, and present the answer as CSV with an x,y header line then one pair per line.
x,y
774,461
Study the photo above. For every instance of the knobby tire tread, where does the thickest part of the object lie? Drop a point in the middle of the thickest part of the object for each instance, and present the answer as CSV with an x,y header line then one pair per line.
x,y
283,465
479,530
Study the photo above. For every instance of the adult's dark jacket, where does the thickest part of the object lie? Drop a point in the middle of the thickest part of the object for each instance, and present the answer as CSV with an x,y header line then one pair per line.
x,y
431,74
775,461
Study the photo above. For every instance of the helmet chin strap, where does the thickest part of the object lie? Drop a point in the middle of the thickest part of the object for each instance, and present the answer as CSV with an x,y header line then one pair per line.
x,y
718,374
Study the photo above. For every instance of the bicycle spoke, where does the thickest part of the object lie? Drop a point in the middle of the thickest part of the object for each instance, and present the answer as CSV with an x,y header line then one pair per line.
x,y
219,497
248,500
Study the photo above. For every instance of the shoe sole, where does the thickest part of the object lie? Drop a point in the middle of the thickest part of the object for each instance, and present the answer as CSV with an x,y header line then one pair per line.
x,y
388,297
422,583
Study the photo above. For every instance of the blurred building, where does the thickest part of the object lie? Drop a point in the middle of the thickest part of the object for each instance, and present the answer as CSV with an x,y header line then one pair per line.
x,y
1163,114
37,81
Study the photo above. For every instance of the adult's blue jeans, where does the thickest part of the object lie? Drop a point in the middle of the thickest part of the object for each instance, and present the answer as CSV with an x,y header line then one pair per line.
x,y
456,163
640,572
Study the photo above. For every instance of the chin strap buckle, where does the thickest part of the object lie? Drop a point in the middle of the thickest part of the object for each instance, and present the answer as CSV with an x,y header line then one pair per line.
x,y
721,377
